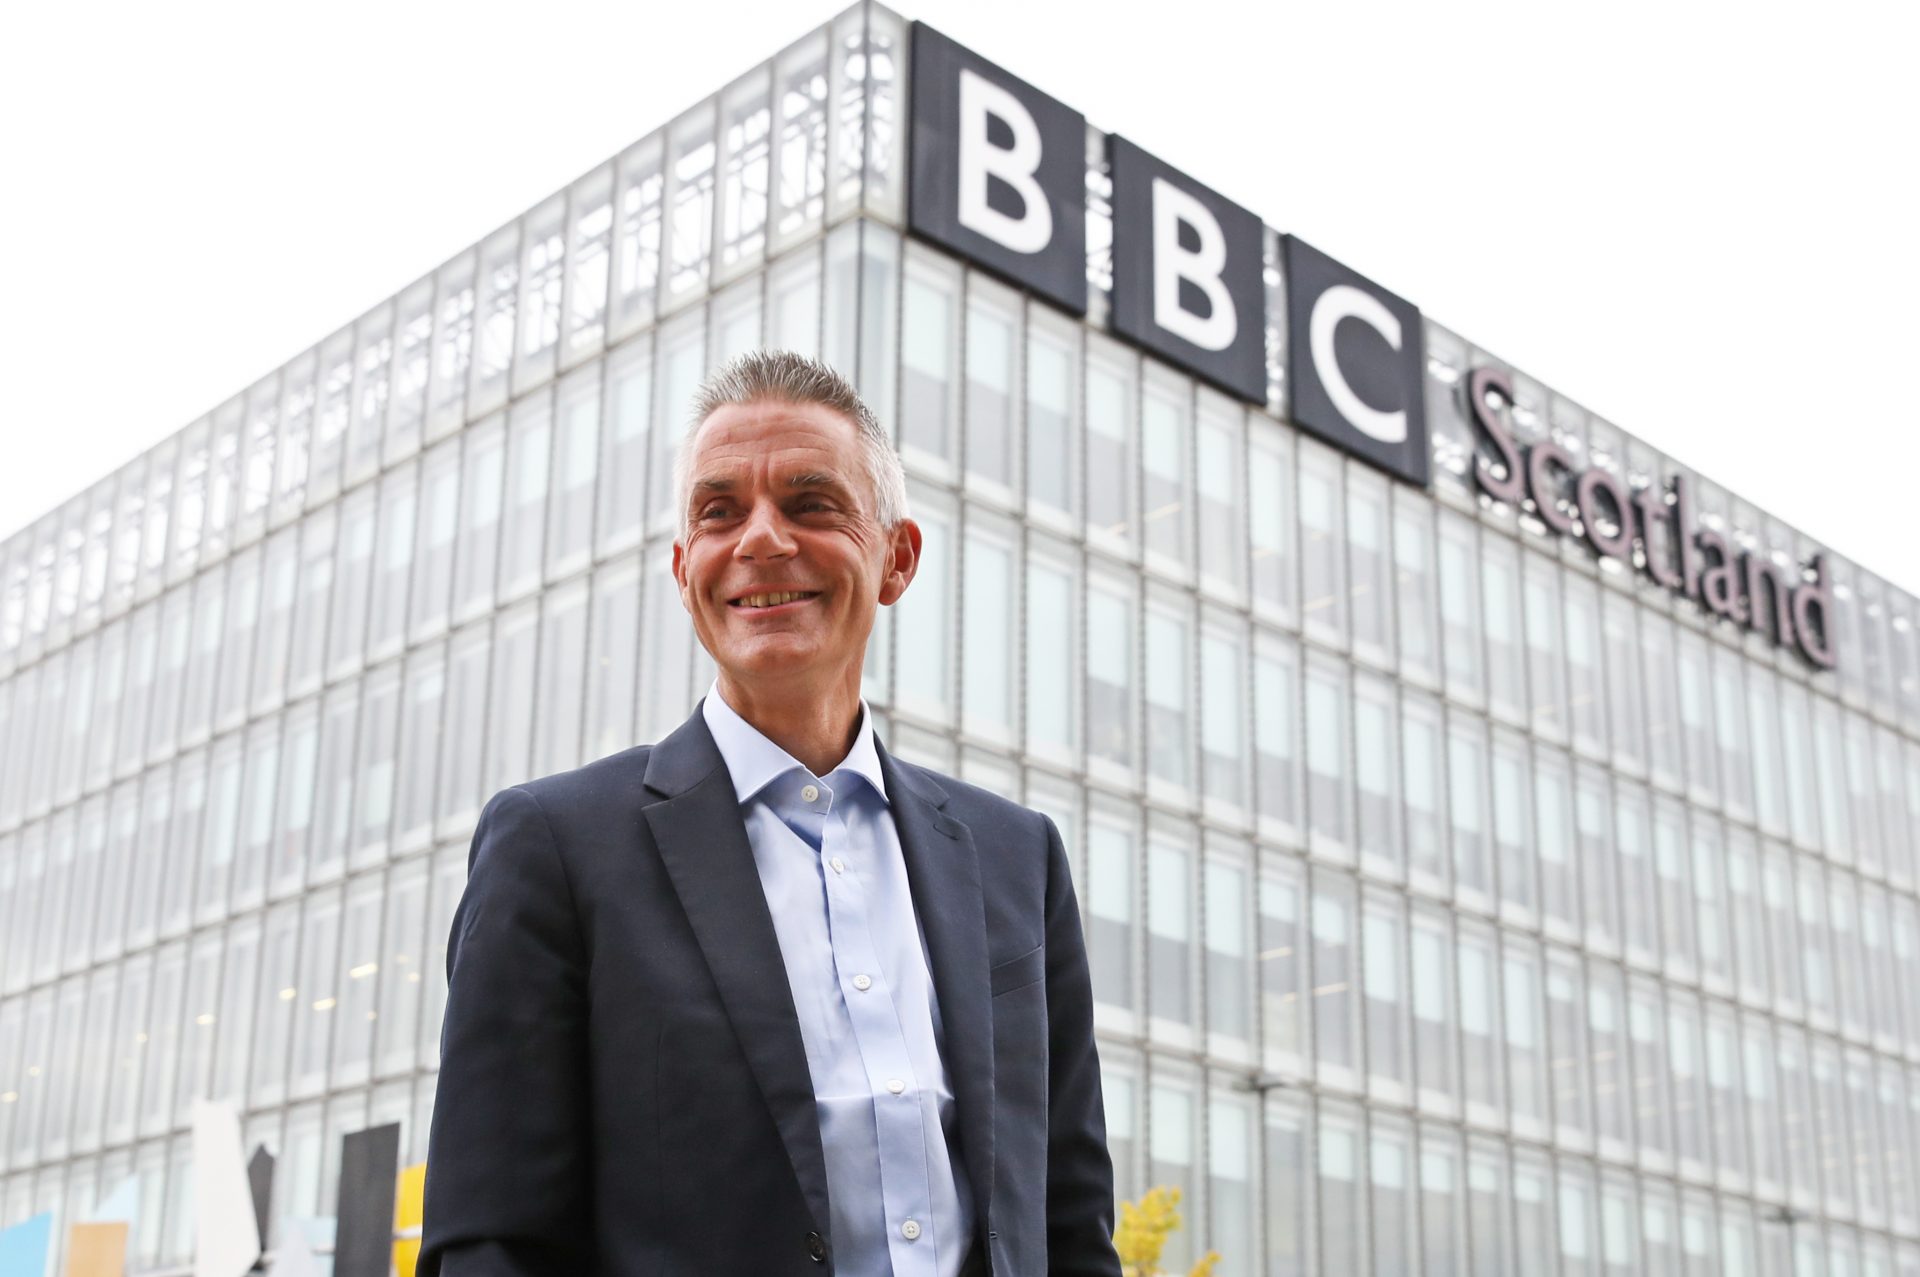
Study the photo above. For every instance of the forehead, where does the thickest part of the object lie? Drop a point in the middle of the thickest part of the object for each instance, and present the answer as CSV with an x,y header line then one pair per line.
x,y
735,435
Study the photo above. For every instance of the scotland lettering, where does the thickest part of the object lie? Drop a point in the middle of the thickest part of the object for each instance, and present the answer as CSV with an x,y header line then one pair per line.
x,y
1616,519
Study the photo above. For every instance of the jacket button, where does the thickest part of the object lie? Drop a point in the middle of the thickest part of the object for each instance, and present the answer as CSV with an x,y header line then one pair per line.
x,y
817,1248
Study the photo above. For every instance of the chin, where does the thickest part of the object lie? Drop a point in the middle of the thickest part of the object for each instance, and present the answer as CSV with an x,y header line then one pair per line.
x,y
769,659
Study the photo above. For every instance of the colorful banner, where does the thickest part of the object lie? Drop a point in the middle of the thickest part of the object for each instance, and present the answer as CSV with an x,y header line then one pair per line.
x,y
26,1247
408,1214
228,1237
97,1250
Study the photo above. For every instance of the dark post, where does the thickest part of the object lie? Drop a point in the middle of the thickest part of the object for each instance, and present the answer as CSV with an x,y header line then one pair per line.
x,y
363,1242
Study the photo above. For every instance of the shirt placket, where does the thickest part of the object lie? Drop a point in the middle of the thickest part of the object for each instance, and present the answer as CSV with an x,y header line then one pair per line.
x,y
905,1190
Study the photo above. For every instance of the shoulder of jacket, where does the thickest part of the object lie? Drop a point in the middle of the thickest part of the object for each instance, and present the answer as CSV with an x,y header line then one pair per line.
x,y
604,779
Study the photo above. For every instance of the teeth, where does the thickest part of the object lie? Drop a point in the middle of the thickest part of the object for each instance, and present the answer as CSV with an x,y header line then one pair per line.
x,y
770,600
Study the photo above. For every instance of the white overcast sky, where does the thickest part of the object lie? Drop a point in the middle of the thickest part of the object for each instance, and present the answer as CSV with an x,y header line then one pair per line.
x,y
1698,220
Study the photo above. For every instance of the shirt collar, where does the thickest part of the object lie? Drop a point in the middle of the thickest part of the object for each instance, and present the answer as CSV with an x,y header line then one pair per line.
x,y
754,762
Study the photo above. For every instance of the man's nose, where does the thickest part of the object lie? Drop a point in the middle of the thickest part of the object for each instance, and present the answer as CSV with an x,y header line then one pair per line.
x,y
764,535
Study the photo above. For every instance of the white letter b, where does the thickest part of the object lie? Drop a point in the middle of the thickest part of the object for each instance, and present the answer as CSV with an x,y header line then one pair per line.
x,y
1202,267
980,101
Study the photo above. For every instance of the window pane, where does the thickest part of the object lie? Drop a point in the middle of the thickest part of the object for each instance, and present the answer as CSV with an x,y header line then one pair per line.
x,y
1283,969
1050,418
927,332
1167,715
511,699
1110,914
1370,586
1110,475
1275,726
1219,504
523,520
1336,1027
1326,706
1228,1000
1526,1038
1223,718
1467,806
1377,778
481,491
576,451
1553,819
1546,681
1110,675
923,625
1163,450
423,695
1049,663
613,660
992,376
353,572
1270,520
987,638
1460,607
1415,589
1384,985
1586,705
1434,1042
1287,1192
1169,933
623,464
1342,1223
1230,1187
1170,1157
1323,584
1626,712
563,639
1500,595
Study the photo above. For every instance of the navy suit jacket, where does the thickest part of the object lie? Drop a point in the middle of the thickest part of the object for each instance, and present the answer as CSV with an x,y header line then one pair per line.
x,y
623,1085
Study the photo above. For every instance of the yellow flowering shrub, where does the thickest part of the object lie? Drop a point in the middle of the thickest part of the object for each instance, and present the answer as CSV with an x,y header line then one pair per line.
x,y
1142,1235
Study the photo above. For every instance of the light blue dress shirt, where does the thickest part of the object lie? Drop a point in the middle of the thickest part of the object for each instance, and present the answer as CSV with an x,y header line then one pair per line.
x,y
836,883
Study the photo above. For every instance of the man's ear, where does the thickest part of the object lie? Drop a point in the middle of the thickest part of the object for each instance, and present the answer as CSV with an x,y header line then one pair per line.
x,y
903,560
680,571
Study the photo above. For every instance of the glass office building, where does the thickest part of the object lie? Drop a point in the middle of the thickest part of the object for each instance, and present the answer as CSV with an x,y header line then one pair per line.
x,y
1457,901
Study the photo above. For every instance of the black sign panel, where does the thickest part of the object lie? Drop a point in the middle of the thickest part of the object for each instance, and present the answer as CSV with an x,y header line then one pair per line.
x,y
1187,273
363,1235
1355,355
998,172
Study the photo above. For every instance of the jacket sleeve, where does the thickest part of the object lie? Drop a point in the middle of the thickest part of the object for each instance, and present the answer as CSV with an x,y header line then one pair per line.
x,y
508,1184
1079,1169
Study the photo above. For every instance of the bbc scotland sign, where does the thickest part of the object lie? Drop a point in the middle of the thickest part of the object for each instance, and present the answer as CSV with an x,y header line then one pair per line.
x,y
998,177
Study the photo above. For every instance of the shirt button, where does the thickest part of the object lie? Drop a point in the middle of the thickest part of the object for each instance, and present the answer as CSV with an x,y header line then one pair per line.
x,y
839,865
863,982
895,1085
911,1230
810,793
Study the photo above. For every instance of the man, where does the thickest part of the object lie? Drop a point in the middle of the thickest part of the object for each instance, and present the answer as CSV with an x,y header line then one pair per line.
x,y
761,998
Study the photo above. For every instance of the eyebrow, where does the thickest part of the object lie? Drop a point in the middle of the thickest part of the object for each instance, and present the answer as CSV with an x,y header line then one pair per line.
x,y
797,479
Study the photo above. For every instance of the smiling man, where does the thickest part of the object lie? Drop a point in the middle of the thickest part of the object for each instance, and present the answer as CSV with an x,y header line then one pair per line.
x,y
761,998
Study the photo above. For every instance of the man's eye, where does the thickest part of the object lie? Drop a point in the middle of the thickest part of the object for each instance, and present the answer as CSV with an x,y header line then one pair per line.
x,y
712,511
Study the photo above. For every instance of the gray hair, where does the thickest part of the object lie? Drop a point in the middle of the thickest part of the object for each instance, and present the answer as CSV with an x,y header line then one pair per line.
x,y
786,377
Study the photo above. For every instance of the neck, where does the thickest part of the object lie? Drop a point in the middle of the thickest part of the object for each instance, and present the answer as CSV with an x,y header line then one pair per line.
x,y
816,726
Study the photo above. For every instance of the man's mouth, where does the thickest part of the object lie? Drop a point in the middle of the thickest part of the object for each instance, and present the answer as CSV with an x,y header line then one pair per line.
x,y
771,599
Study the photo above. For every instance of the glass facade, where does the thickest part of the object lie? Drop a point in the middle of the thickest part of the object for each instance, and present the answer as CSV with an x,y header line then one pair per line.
x,y
1456,902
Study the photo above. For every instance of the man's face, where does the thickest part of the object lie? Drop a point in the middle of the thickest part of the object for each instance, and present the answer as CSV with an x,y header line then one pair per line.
x,y
783,561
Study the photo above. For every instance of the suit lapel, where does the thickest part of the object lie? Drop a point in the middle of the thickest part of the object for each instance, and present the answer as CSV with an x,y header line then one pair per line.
x,y
943,871
703,842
